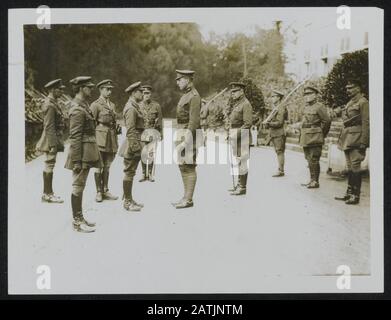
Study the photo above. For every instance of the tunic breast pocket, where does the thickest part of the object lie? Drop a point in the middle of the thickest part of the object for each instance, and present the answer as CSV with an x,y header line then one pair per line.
x,y
353,111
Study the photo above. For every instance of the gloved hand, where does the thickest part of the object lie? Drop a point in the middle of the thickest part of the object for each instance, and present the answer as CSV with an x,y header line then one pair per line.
x,y
53,150
77,167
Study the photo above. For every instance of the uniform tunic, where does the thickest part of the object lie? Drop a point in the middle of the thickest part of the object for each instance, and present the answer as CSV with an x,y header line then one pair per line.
x,y
188,117
131,148
240,118
314,128
53,126
277,131
354,137
82,141
106,129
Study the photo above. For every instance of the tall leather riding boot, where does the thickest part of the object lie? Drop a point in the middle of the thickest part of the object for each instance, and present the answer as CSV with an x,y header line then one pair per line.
x,y
129,203
348,192
45,183
281,162
76,207
105,178
79,223
241,189
243,180
356,188
49,176
127,187
314,172
99,188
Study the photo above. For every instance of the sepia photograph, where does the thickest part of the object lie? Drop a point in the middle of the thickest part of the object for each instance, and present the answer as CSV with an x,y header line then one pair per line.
x,y
195,150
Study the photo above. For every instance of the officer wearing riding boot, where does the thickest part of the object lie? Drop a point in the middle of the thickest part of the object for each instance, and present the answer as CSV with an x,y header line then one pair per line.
x,y
83,149
152,113
131,148
240,121
314,127
106,138
188,119
277,132
354,138
51,140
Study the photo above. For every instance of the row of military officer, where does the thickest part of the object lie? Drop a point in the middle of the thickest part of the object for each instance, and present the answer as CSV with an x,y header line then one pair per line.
x,y
93,140
94,146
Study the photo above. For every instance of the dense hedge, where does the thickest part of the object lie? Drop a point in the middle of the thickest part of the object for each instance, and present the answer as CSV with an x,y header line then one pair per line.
x,y
352,65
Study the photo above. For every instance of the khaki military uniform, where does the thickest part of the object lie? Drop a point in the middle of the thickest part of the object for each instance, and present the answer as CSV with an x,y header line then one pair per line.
x,y
240,121
314,128
83,148
188,118
354,137
277,131
131,148
240,118
353,140
106,129
215,116
52,134
153,123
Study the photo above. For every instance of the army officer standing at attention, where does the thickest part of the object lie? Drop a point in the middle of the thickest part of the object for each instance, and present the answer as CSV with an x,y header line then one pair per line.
x,y
106,137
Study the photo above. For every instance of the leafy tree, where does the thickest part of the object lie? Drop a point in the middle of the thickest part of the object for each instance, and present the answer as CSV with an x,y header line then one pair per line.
x,y
352,65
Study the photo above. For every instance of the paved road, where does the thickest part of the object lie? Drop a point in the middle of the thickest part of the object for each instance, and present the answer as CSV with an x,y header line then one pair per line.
x,y
223,244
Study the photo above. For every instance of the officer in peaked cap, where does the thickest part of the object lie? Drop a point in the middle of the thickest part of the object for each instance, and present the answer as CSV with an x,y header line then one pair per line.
x,y
103,110
315,126
276,130
188,119
240,120
131,148
152,113
51,140
354,138
83,149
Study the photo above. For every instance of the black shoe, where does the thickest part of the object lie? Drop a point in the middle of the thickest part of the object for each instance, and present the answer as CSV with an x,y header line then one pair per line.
x,y
278,174
313,185
305,184
342,198
143,178
353,199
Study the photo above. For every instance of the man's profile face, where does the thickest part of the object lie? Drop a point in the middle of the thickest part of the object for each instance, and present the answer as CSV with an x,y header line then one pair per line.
x,y
352,90
87,91
182,83
310,97
147,95
237,94
57,93
137,95
105,92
